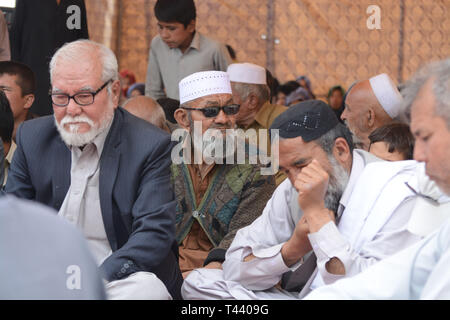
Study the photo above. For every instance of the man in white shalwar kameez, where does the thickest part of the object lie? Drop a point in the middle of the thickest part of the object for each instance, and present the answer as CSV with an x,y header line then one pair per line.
x,y
421,271
272,258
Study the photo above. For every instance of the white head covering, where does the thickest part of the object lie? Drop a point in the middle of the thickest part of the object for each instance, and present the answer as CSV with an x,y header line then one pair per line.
x,y
247,73
202,84
387,94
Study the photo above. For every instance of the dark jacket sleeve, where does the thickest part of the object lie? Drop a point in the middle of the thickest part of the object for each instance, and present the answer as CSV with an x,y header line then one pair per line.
x,y
2,163
153,227
19,182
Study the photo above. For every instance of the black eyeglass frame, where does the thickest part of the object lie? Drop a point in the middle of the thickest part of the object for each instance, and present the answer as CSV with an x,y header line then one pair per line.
x,y
206,109
93,93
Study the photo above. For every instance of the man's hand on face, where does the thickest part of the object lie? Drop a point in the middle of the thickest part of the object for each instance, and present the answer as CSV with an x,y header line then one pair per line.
x,y
312,185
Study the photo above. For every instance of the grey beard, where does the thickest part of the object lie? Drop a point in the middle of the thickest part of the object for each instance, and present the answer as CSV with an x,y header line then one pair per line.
x,y
336,186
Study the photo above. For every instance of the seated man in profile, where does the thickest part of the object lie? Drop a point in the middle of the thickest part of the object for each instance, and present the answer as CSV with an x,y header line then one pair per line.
x,y
216,194
370,104
105,171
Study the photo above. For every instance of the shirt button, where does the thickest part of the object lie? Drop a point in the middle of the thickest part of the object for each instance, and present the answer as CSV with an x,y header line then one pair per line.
x,y
195,214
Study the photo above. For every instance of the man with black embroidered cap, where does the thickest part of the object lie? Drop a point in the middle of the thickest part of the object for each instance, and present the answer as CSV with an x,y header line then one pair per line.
x,y
313,230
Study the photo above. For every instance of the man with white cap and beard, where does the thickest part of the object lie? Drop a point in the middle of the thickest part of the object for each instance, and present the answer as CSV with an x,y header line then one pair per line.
x,y
370,104
214,198
251,92
324,223
421,271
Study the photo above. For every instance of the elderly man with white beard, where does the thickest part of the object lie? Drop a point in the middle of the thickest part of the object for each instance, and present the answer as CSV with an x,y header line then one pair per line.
x,y
421,271
216,193
106,171
340,211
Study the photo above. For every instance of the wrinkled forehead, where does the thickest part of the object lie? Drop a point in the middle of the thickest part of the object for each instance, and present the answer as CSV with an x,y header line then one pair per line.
x,y
212,100
82,65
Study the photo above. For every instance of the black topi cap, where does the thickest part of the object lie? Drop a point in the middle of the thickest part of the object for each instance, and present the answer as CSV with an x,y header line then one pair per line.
x,y
308,119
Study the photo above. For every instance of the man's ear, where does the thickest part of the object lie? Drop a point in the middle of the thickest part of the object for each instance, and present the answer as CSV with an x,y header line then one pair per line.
x,y
29,99
341,151
115,92
370,118
182,119
191,26
253,101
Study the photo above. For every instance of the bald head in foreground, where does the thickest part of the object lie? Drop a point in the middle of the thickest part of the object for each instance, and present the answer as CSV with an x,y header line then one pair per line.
x,y
148,109
369,105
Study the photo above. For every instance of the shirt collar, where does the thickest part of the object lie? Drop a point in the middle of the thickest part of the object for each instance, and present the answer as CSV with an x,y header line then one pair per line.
x,y
263,114
11,151
195,43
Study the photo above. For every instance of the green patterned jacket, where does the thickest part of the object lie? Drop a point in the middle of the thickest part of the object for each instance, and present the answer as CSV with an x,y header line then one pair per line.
x,y
236,196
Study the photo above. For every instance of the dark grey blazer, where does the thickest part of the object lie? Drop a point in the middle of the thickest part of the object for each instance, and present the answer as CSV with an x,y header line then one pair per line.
x,y
2,163
136,195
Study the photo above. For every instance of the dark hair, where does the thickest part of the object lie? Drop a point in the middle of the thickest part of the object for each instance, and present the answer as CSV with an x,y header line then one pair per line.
x,y
288,87
169,106
6,119
326,141
336,88
25,76
182,11
398,137
272,83
231,51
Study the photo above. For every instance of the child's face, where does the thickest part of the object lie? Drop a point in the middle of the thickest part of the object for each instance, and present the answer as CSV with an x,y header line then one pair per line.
x,y
381,150
175,35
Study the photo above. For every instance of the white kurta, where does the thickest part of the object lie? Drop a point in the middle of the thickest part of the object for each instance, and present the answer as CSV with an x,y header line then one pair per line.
x,y
265,237
418,272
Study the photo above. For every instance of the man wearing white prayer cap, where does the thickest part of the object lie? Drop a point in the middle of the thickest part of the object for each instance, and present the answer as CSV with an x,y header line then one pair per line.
x,y
369,105
421,271
251,92
214,198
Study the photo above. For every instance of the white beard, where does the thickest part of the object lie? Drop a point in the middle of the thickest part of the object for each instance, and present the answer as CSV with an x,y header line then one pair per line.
x,y
336,186
76,139
216,141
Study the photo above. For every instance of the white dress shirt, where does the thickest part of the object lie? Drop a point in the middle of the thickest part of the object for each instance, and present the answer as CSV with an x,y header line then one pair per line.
x,y
81,205
418,272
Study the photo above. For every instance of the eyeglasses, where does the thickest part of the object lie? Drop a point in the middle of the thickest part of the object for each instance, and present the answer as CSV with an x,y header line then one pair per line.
x,y
211,112
81,98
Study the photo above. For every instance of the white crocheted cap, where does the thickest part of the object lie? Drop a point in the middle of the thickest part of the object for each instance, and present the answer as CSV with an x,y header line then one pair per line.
x,y
247,73
205,83
387,94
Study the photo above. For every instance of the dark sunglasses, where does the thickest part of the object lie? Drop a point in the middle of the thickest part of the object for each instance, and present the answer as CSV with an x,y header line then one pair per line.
x,y
211,112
